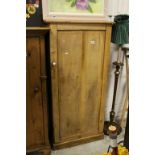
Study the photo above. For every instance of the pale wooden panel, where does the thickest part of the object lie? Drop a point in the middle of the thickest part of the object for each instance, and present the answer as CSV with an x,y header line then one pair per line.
x,y
81,27
92,80
34,122
69,77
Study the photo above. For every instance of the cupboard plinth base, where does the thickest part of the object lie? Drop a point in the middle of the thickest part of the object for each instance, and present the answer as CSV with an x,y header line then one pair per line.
x,y
79,141
45,151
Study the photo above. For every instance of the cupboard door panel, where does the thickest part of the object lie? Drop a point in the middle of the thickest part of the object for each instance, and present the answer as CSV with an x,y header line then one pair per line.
x,y
34,120
79,56
92,81
69,81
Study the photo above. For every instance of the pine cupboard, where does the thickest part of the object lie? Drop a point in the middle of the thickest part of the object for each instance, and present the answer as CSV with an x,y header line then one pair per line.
x,y
79,57
37,139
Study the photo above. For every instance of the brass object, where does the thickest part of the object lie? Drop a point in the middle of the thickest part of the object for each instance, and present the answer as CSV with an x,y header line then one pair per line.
x,y
31,9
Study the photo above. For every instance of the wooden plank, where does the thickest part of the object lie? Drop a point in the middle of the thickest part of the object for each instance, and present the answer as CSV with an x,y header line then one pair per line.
x,y
54,84
105,77
38,28
91,83
69,66
81,27
77,136
43,86
35,129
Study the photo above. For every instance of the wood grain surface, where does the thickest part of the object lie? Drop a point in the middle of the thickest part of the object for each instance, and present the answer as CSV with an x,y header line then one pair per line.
x,y
79,80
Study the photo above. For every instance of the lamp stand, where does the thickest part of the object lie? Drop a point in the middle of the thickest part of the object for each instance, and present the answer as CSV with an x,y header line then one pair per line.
x,y
117,65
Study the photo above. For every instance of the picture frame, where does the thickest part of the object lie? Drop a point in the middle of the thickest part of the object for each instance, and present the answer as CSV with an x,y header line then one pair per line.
x,y
73,10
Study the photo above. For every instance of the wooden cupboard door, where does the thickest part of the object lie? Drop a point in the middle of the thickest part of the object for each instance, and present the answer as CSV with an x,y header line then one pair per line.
x,y
34,103
80,75
70,57
92,77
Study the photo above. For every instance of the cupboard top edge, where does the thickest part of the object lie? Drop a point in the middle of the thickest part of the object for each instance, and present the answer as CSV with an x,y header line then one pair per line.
x,y
37,28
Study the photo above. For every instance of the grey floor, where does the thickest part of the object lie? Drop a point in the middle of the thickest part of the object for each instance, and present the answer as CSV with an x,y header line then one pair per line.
x,y
93,148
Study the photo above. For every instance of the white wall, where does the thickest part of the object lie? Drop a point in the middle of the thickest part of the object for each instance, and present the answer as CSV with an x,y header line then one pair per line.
x,y
115,7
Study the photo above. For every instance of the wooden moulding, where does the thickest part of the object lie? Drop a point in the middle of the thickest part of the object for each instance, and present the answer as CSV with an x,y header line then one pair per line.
x,y
37,31
78,20
37,28
78,141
